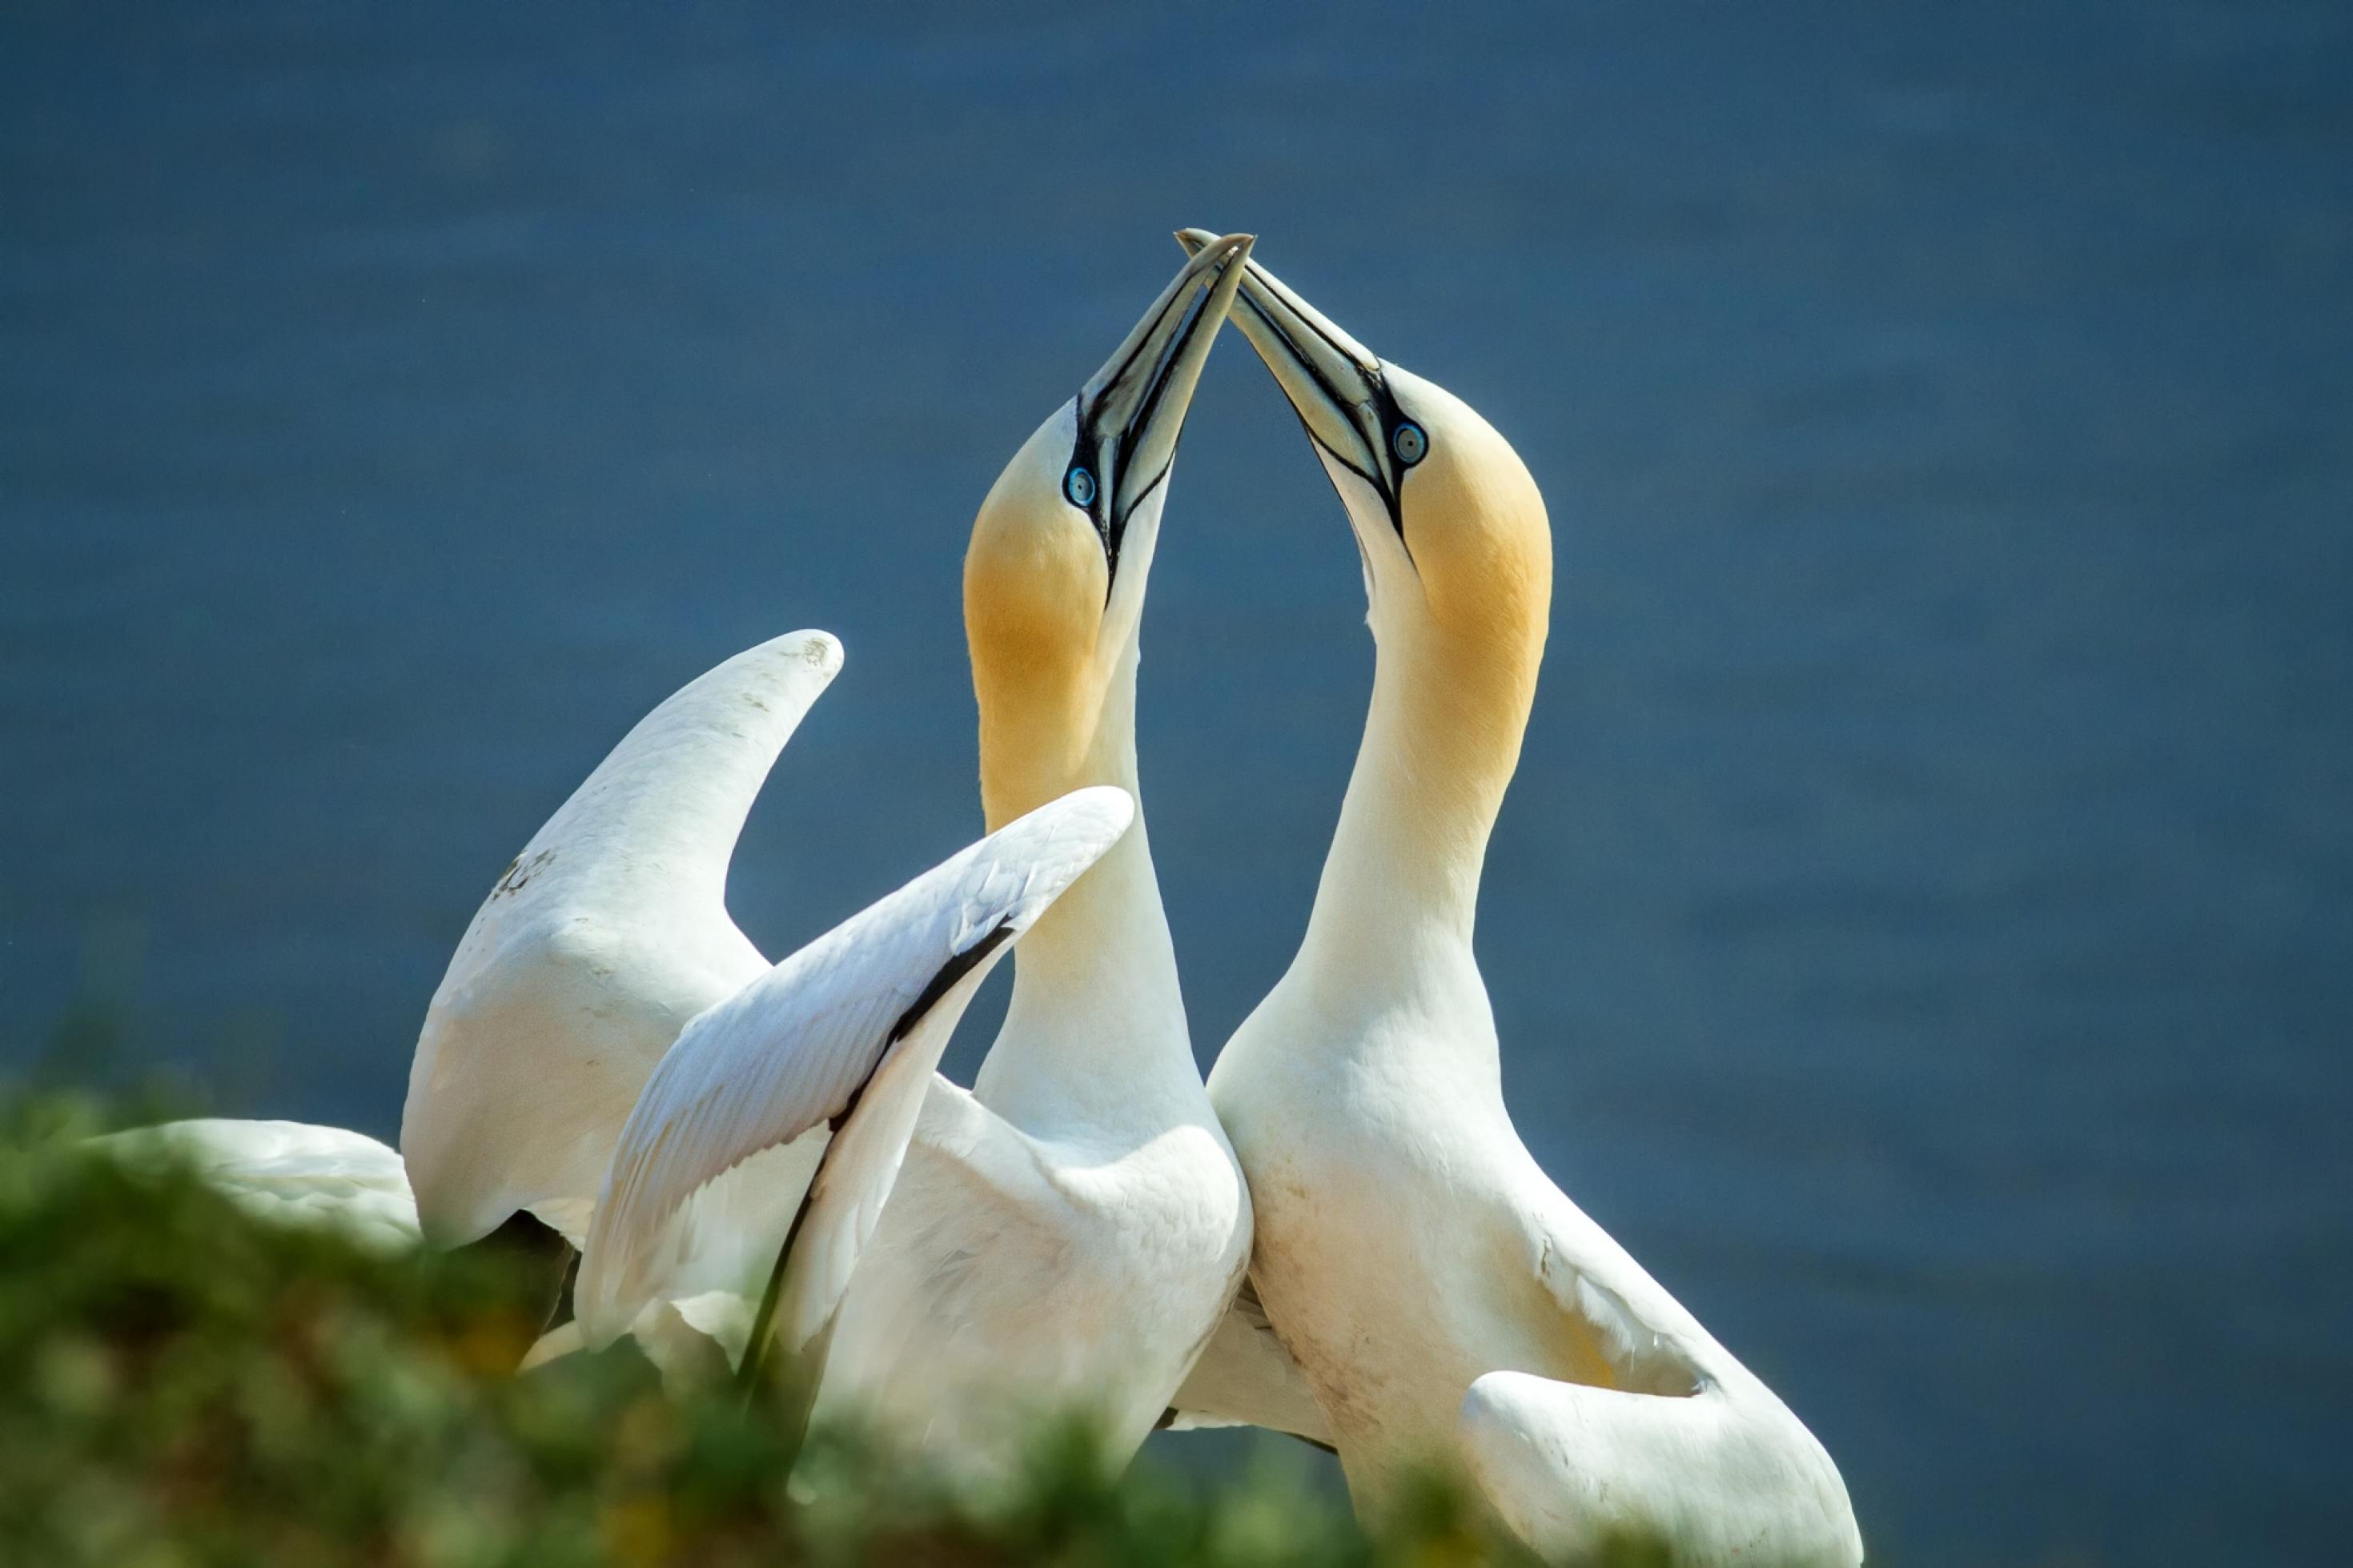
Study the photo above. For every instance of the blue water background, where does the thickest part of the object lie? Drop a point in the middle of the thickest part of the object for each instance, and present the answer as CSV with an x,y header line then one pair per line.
x,y
1923,927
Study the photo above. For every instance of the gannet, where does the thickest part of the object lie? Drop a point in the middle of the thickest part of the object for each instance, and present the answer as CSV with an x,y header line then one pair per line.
x,y
1064,1236
1423,1294
851,1023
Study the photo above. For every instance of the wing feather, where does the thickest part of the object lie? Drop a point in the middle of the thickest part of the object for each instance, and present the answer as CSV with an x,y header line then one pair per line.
x,y
603,938
1724,1475
288,1173
1676,1444
845,1032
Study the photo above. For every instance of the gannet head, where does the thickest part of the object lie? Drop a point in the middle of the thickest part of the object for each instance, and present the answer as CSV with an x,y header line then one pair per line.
x,y
1456,549
1053,582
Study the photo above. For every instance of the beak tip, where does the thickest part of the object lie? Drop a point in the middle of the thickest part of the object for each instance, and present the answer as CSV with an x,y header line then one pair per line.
x,y
1196,240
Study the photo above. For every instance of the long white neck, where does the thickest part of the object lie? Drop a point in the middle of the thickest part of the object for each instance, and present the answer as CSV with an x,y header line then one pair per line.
x,y
1391,930
1095,1039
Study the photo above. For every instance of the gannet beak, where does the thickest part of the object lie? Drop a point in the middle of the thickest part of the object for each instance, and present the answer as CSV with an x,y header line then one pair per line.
x,y
1335,384
1132,411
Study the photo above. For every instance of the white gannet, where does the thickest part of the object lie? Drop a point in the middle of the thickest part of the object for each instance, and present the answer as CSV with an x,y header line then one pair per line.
x,y
1423,1294
645,840
1064,1236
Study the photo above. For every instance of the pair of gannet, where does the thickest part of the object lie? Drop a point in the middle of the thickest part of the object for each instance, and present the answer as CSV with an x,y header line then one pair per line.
x,y
611,1056
1421,1293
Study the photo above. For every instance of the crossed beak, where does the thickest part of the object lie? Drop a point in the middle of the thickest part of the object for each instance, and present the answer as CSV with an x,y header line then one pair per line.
x,y
1132,411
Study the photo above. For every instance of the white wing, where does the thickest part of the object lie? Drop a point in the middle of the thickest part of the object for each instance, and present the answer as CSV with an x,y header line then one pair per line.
x,y
842,1034
286,1172
605,936
1722,1476
1689,1451
1245,1378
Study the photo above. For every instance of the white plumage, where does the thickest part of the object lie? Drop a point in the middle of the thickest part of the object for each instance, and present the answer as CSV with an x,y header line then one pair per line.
x,y
856,1018
1420,1282
592,950
1065,1235
286,1172
609,1054
596,946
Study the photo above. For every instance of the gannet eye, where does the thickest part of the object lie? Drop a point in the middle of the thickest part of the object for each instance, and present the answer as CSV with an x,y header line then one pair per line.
x,y
1409,443
1079,486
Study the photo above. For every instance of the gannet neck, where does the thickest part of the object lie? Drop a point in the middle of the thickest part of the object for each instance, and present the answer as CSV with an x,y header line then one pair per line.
x,y
1094,1039
1095,1036
1459,604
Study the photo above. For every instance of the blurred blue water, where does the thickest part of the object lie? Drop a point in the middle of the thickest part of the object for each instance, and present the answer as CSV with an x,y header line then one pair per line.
x,y
1923,928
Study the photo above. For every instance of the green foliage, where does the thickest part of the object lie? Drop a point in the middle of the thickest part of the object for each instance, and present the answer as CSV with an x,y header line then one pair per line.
x,y
182,1385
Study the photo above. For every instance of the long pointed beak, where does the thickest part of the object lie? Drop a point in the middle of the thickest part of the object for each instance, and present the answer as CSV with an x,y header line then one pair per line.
x,y
1132,411
1334,382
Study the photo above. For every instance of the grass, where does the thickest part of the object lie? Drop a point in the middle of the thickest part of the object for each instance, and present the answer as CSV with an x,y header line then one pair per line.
x,y
182,1385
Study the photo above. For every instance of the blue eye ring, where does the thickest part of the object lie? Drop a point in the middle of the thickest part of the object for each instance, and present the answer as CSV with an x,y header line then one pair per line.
x,y
1079,486
1410,444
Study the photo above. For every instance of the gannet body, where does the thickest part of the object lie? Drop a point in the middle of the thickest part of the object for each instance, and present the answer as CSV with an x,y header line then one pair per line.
x,y
1423,1295
1063,1237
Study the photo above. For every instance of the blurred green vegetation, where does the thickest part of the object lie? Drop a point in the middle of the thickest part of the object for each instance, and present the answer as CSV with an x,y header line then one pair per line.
x,y
180,1384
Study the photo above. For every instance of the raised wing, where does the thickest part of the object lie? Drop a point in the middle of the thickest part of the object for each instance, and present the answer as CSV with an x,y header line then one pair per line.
x,y
286,1172
1245,1378
607,934
844,1035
